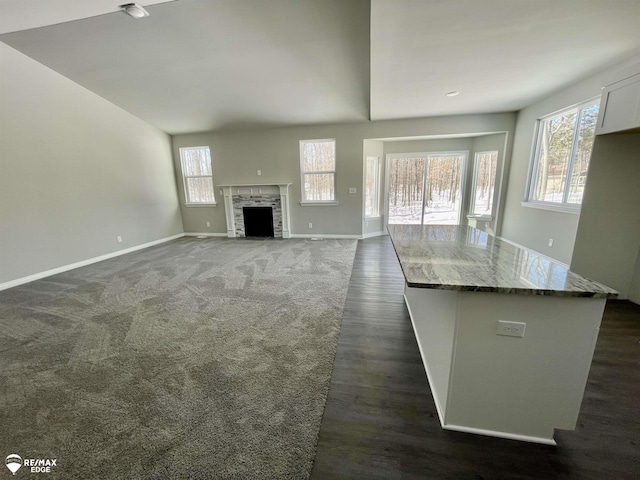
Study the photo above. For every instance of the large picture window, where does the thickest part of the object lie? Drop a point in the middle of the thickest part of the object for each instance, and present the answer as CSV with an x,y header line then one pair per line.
x,y
372,187
562,151
318,170
197,176
484,183
425,188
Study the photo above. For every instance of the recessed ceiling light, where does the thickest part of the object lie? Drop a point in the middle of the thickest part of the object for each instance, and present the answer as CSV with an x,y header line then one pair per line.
x,y
452,94
135,10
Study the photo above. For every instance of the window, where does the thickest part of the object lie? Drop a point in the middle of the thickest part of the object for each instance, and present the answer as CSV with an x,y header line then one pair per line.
x,y
484,183
425,188
196,172
318,168
561,157
372,187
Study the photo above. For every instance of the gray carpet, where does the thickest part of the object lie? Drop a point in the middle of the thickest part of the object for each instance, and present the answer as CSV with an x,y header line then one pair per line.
x,y
193,359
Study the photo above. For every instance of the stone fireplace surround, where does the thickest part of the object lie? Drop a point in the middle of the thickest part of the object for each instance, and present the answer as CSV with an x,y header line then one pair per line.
x,y
257,195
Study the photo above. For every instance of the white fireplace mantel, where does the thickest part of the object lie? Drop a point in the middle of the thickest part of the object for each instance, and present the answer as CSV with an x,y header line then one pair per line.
x,y
256,189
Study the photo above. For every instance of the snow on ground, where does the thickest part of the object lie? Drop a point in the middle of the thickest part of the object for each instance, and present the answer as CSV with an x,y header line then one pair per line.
x,y
440,212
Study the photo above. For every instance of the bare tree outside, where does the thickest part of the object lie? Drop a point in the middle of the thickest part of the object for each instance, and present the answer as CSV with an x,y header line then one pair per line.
x,y
564,150
486,165
406,183
371,186
196,170
319,167
433,181
586,137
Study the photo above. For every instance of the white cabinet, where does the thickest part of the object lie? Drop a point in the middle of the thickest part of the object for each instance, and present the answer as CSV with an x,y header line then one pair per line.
x,y
620,106
521,388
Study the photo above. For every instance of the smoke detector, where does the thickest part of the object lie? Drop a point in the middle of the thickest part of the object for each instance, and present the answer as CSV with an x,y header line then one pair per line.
x,y
135,10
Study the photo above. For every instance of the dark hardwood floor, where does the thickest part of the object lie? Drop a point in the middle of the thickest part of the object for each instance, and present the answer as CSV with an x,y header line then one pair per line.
x,y
380,421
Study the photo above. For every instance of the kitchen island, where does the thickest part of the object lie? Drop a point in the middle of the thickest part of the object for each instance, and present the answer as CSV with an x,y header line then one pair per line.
x,y
506,334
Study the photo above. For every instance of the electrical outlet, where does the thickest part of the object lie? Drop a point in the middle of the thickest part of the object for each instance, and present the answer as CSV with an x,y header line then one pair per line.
x,y
510,329
119,239
310,225
259,172
352,190
209,223
550,243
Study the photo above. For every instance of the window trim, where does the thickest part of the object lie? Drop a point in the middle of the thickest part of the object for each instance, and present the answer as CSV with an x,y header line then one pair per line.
x,y
553,207
377,173
464,181
474,186
334,200
534,161
185,186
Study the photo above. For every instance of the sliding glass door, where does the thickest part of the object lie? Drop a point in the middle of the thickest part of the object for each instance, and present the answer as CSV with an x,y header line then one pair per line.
x,y
405,186
425,188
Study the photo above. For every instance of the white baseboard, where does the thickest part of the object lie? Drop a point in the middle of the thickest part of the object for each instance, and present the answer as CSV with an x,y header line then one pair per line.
x,y
325,235
374,234
84,263
492,433
293,235
205,234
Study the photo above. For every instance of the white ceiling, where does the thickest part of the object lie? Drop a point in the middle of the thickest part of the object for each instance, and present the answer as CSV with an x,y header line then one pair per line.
x,y
199,65
24,14
502,55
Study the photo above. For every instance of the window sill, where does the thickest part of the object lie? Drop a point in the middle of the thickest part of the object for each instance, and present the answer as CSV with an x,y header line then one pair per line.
x,y
486,218
559,208
373,217
189,205
332,203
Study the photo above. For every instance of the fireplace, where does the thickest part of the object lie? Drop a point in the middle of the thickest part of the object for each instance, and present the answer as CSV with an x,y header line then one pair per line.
x,y
258,221
270,196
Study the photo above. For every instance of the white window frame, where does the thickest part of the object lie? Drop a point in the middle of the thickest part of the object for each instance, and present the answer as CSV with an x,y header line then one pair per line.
x,y
304,201
534,163
474,186
376,193
444,153
185,178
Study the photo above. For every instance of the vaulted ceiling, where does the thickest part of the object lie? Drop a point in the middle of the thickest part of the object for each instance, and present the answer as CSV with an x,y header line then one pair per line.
x,y
200,65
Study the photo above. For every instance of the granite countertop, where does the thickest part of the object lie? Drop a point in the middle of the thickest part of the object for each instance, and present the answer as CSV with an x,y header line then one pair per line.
x,y
458,257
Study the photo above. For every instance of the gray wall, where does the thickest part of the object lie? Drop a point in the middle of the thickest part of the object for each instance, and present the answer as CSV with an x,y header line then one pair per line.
x,y
75,172
236,157
533,227
608,236
428,145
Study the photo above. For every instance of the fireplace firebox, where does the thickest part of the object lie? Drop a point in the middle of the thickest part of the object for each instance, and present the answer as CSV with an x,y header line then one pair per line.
x,y
258,221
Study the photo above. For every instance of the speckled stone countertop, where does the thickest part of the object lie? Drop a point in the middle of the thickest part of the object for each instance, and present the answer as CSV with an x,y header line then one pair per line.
x,y
458,257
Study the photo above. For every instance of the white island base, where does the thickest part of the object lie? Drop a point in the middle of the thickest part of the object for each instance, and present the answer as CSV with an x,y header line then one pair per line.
x,y
519,388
